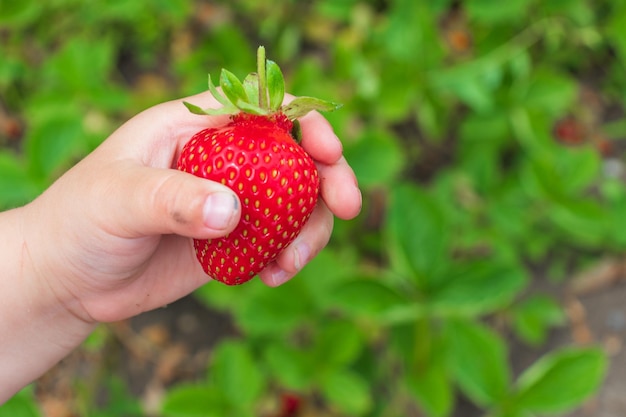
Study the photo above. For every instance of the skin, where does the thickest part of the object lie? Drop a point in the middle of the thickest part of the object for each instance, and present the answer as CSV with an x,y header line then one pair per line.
x,y
112,237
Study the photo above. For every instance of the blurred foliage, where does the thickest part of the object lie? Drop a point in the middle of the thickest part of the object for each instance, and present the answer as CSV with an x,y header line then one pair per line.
x,y
488,139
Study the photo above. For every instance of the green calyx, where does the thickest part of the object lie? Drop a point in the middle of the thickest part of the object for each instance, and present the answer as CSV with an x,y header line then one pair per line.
x,y
261,93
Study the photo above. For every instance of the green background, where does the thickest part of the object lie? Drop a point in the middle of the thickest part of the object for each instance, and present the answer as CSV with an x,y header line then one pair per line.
x,y
488,140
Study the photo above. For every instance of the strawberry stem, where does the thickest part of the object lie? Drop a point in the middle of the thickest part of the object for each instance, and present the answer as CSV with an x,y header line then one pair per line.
x,y
262,75
270,83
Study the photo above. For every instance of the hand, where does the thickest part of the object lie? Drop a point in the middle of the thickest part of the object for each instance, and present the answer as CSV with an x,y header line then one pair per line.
x,y
112,237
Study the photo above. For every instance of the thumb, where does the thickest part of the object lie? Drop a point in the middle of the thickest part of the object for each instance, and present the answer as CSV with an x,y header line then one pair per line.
x,y
167,201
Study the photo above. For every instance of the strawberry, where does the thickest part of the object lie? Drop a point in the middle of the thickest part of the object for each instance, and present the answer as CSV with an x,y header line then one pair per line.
x,y
257,155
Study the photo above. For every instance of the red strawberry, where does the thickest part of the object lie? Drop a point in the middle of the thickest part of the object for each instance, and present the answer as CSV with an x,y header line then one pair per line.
x,y
257,157
291,405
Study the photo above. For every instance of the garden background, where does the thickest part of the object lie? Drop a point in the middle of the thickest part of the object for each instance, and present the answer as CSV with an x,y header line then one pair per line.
x,y
485,274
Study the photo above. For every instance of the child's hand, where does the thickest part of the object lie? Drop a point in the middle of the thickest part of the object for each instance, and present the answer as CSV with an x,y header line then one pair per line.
x,y
112,237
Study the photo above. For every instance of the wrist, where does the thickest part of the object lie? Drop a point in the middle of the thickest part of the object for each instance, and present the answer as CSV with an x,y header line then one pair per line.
x,y
37,324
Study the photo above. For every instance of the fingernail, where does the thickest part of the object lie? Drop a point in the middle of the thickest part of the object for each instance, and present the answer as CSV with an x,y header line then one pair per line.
x,y
302,252
219,210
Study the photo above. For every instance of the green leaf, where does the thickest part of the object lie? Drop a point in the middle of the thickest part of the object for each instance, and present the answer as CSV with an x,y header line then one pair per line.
x,y
562,174
303,105
191,400
251,85
327,270
561,381
494,11
376,157
432,389
12,69
250,108
233,88
479,287
194,109
533,317
477,358
614,30
275,85
467,85
365,297
551,92
580,168
217,95
18,12
227,106
237,374
418,235
615,192
347,391
339,343
16,186
80,66
411,26
22,404
275,310
55,144
485,130
290,366
225,298
587,221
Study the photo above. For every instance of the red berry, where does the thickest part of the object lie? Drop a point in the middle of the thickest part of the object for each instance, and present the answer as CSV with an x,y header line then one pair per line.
x,y
277,184
570,131
291,405
257,157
